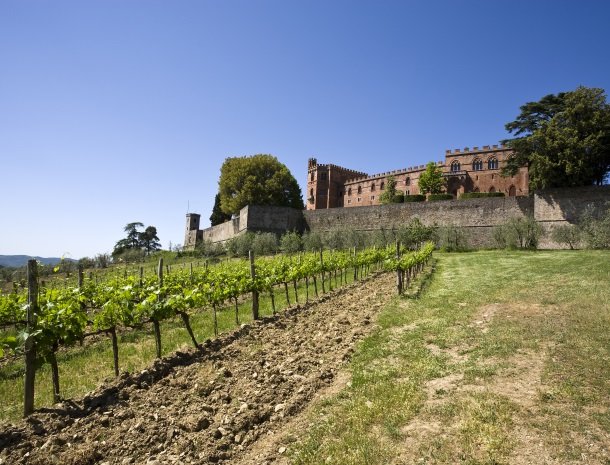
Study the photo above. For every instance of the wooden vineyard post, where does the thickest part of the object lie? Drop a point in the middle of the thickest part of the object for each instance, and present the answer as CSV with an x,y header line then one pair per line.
x,y
254,291
30,346
322,271
398,271
154,320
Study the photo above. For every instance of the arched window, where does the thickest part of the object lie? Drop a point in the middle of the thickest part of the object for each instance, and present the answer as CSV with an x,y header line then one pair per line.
x,y
359,190
312,175
408,182
382,187
311,192
492,164
492,189
477,164
372,187
512,191
455,166
476,189
349,192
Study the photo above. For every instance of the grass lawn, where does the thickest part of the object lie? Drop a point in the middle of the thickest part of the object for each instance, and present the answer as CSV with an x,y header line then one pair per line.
x,y
504,358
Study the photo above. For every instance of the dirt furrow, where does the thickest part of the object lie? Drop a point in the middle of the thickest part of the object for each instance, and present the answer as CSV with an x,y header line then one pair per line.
x,y
209,406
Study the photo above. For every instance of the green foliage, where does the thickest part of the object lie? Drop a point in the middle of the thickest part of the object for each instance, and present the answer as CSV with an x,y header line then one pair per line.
x,y
312,240
595,229
435,197
480,195
136,242
291,242
265,243
523,233
257,180
334,239
566,235
399,198
431,181
389,193
208,249
415,233
563,139
415,198
239,246
218,216
452,239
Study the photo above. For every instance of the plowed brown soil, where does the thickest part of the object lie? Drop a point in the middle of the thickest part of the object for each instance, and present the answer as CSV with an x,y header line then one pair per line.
x,y
208,406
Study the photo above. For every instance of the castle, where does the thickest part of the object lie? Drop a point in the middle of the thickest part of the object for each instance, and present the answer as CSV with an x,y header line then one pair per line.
x,y
476,170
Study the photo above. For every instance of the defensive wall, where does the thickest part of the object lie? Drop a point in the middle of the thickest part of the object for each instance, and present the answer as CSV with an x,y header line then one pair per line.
x,y
477,217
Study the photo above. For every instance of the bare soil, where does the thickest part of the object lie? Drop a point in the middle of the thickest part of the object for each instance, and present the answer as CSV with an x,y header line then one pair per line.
x,y
223,403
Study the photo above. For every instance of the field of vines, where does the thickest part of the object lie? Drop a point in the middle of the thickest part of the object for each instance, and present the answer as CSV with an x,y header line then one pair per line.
x,y
38,320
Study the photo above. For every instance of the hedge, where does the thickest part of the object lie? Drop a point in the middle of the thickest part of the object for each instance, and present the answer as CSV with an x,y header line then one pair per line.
x,y
415,198
479,195
433,197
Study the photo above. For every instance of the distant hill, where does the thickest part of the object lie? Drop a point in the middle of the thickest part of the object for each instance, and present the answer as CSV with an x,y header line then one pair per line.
x,y
22,260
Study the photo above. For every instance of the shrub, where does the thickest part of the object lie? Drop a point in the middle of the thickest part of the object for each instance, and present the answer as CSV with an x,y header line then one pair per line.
x,y
518,232
208,249
452,239
356,239
291,242
595,229
435,197
415,232
239,246
399,198
480,195
264,243
566,235
415,198
334,239
312,241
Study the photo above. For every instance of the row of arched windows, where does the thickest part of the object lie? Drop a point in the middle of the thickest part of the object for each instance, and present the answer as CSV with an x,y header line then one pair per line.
x,y
477,165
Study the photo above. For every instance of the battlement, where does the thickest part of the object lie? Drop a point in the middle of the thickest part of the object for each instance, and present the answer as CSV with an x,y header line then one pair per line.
x,y
468,151
314,165
410,169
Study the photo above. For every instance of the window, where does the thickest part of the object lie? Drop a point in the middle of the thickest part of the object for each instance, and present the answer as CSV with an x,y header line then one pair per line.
x,y
373,187
349,201
492,164
359,199
492,189
512,191
476,189
312,175
311,193
372,197
455,166
349,192
359,189
408,192
382,187
408,182
477,164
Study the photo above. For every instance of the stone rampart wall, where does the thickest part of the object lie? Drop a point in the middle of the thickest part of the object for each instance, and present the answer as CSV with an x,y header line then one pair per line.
x,y
477,216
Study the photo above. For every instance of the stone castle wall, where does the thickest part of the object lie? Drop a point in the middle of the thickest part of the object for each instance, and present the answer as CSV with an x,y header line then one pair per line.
x,y
477,217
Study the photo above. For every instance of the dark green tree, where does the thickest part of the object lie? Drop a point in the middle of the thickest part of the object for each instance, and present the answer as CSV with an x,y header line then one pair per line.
x,y
149,240
146,240
432,181
563,139
218,216
257,180
389,193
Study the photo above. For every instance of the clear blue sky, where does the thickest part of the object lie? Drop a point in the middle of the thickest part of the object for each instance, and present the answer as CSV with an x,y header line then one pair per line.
x,y
117,111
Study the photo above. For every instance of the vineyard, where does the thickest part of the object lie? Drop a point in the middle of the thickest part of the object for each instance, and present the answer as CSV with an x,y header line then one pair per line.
x,y
39,321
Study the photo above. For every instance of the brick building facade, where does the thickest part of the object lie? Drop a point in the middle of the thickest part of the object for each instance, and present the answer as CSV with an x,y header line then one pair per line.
x,y
476,170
